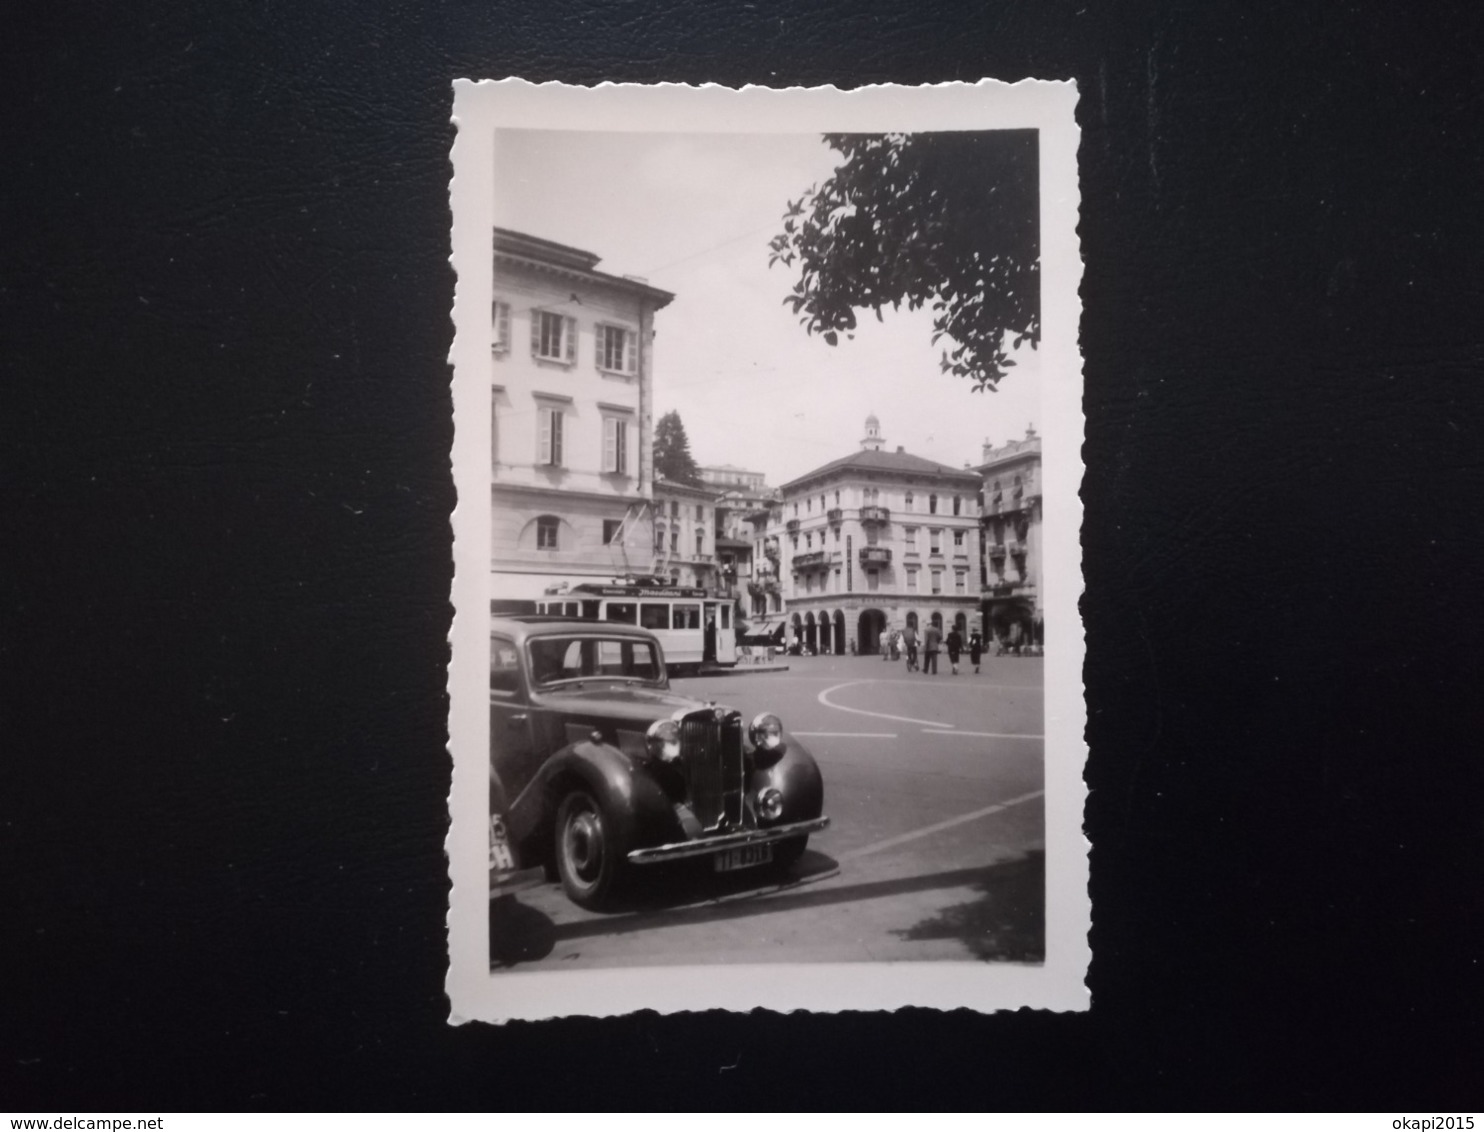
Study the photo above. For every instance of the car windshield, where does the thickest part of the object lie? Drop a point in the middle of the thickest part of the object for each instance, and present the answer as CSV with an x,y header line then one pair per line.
x,y
555,660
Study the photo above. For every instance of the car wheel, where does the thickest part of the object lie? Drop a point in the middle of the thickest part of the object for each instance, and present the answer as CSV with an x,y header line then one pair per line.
x,y
787,853
587,860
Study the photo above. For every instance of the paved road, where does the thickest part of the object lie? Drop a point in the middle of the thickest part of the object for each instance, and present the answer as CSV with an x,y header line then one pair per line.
x,y
933,786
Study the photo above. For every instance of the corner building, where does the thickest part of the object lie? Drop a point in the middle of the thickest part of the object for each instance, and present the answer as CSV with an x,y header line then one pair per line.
x,y
873,541
1013,602
572,402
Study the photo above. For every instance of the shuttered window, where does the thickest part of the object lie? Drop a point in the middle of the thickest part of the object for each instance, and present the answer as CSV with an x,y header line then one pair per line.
x,y
501,321
549,439
615,446
553,336
617,349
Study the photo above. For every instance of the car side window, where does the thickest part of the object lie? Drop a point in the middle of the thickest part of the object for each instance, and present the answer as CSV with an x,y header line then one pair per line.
x,y
504,667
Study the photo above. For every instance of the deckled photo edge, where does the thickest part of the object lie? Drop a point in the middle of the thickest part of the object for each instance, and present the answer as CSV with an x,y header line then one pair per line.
x,y
476,994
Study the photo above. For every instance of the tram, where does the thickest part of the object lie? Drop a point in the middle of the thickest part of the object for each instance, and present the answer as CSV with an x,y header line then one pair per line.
x,y
694,627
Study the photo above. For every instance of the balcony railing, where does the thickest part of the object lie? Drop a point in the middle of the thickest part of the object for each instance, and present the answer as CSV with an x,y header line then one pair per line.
x,y
875,556
792,526
835,514
770,548
997,550
875,515
811,560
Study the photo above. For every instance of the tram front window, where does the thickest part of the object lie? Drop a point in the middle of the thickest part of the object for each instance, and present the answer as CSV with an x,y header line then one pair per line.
x,y
626,612
654,615
686,617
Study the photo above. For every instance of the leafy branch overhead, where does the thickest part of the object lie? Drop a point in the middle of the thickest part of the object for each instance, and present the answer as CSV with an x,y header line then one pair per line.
x,y
943,220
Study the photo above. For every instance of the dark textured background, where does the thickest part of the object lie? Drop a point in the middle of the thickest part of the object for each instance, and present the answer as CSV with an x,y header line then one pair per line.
x,y
224,427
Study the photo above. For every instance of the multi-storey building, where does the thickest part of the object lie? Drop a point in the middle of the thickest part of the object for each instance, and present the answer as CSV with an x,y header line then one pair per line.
x,y
726,477
875,540
572,378
685,534
1011,567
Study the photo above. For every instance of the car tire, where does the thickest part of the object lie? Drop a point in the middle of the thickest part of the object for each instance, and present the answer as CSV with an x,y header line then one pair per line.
x,y
588,861
786,853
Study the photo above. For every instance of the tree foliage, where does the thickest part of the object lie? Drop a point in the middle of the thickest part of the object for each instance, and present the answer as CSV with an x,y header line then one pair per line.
x,y
672,458
948,220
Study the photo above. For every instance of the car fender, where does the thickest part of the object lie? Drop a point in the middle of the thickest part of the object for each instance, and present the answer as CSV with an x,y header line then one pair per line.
x,y
796,775
637,806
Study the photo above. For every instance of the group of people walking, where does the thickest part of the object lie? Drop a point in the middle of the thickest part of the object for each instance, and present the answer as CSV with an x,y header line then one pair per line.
x,y
934,642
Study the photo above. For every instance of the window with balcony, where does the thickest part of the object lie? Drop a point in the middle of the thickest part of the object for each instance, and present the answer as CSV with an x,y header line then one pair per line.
x,y
932,504
937,581
958,542
908,505
957,504
911,579
960,581
935,541
553,336
909,537
700,542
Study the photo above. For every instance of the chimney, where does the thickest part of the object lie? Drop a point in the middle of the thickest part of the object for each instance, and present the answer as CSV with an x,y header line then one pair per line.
x,y
988,453
901,450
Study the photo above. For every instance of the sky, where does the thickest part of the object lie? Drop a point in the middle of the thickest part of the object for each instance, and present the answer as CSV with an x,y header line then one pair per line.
x,y
693,214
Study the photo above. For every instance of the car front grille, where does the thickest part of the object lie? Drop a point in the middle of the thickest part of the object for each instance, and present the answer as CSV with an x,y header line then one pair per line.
x,y
711,750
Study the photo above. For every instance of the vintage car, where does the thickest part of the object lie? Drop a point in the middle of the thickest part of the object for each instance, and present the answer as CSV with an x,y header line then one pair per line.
x,y
607,772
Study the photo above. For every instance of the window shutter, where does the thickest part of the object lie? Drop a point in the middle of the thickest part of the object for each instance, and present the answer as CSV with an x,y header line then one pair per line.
x,y
502,325
570,326
600,336
610,444
535,334
621,432
631,351
556,438
543,456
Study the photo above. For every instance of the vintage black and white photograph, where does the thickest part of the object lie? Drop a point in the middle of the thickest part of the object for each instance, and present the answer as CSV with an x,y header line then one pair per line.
x,y
773,426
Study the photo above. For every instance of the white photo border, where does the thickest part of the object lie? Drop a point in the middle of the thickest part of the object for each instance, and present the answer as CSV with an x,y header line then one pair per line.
x,y
475,993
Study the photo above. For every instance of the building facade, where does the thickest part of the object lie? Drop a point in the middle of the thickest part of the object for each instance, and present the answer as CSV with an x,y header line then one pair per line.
x,y
572,380
1012,594
873,541
726,477
685,534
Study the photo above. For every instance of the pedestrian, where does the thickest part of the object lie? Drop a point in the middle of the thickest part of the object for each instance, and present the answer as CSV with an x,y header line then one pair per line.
x,y
976,649
909,639
896,645
955,645
932,640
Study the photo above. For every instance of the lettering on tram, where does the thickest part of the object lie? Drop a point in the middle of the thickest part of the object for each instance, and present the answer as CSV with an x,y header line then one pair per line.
x,y
694,627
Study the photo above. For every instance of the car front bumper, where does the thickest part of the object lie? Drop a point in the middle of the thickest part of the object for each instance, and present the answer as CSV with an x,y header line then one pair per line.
x,y
705,846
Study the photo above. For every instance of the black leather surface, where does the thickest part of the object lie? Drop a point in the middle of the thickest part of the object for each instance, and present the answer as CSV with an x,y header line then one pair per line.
x,y
224,428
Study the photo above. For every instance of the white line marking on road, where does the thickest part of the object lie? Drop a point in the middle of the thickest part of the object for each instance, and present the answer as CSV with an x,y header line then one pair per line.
x,y
937,827
878,714
850,734
982,734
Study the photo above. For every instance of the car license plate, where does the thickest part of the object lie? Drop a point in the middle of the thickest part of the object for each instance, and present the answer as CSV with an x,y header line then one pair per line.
x,y
744,857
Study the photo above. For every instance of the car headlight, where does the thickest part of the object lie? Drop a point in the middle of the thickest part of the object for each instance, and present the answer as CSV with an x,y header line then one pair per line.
x,y
662,740
769,804
767,732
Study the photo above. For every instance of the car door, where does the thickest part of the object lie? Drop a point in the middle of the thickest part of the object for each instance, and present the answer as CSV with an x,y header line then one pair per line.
x,y
512,751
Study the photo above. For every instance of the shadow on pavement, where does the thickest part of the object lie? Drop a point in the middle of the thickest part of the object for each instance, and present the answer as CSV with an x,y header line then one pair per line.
x,y
1006,922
